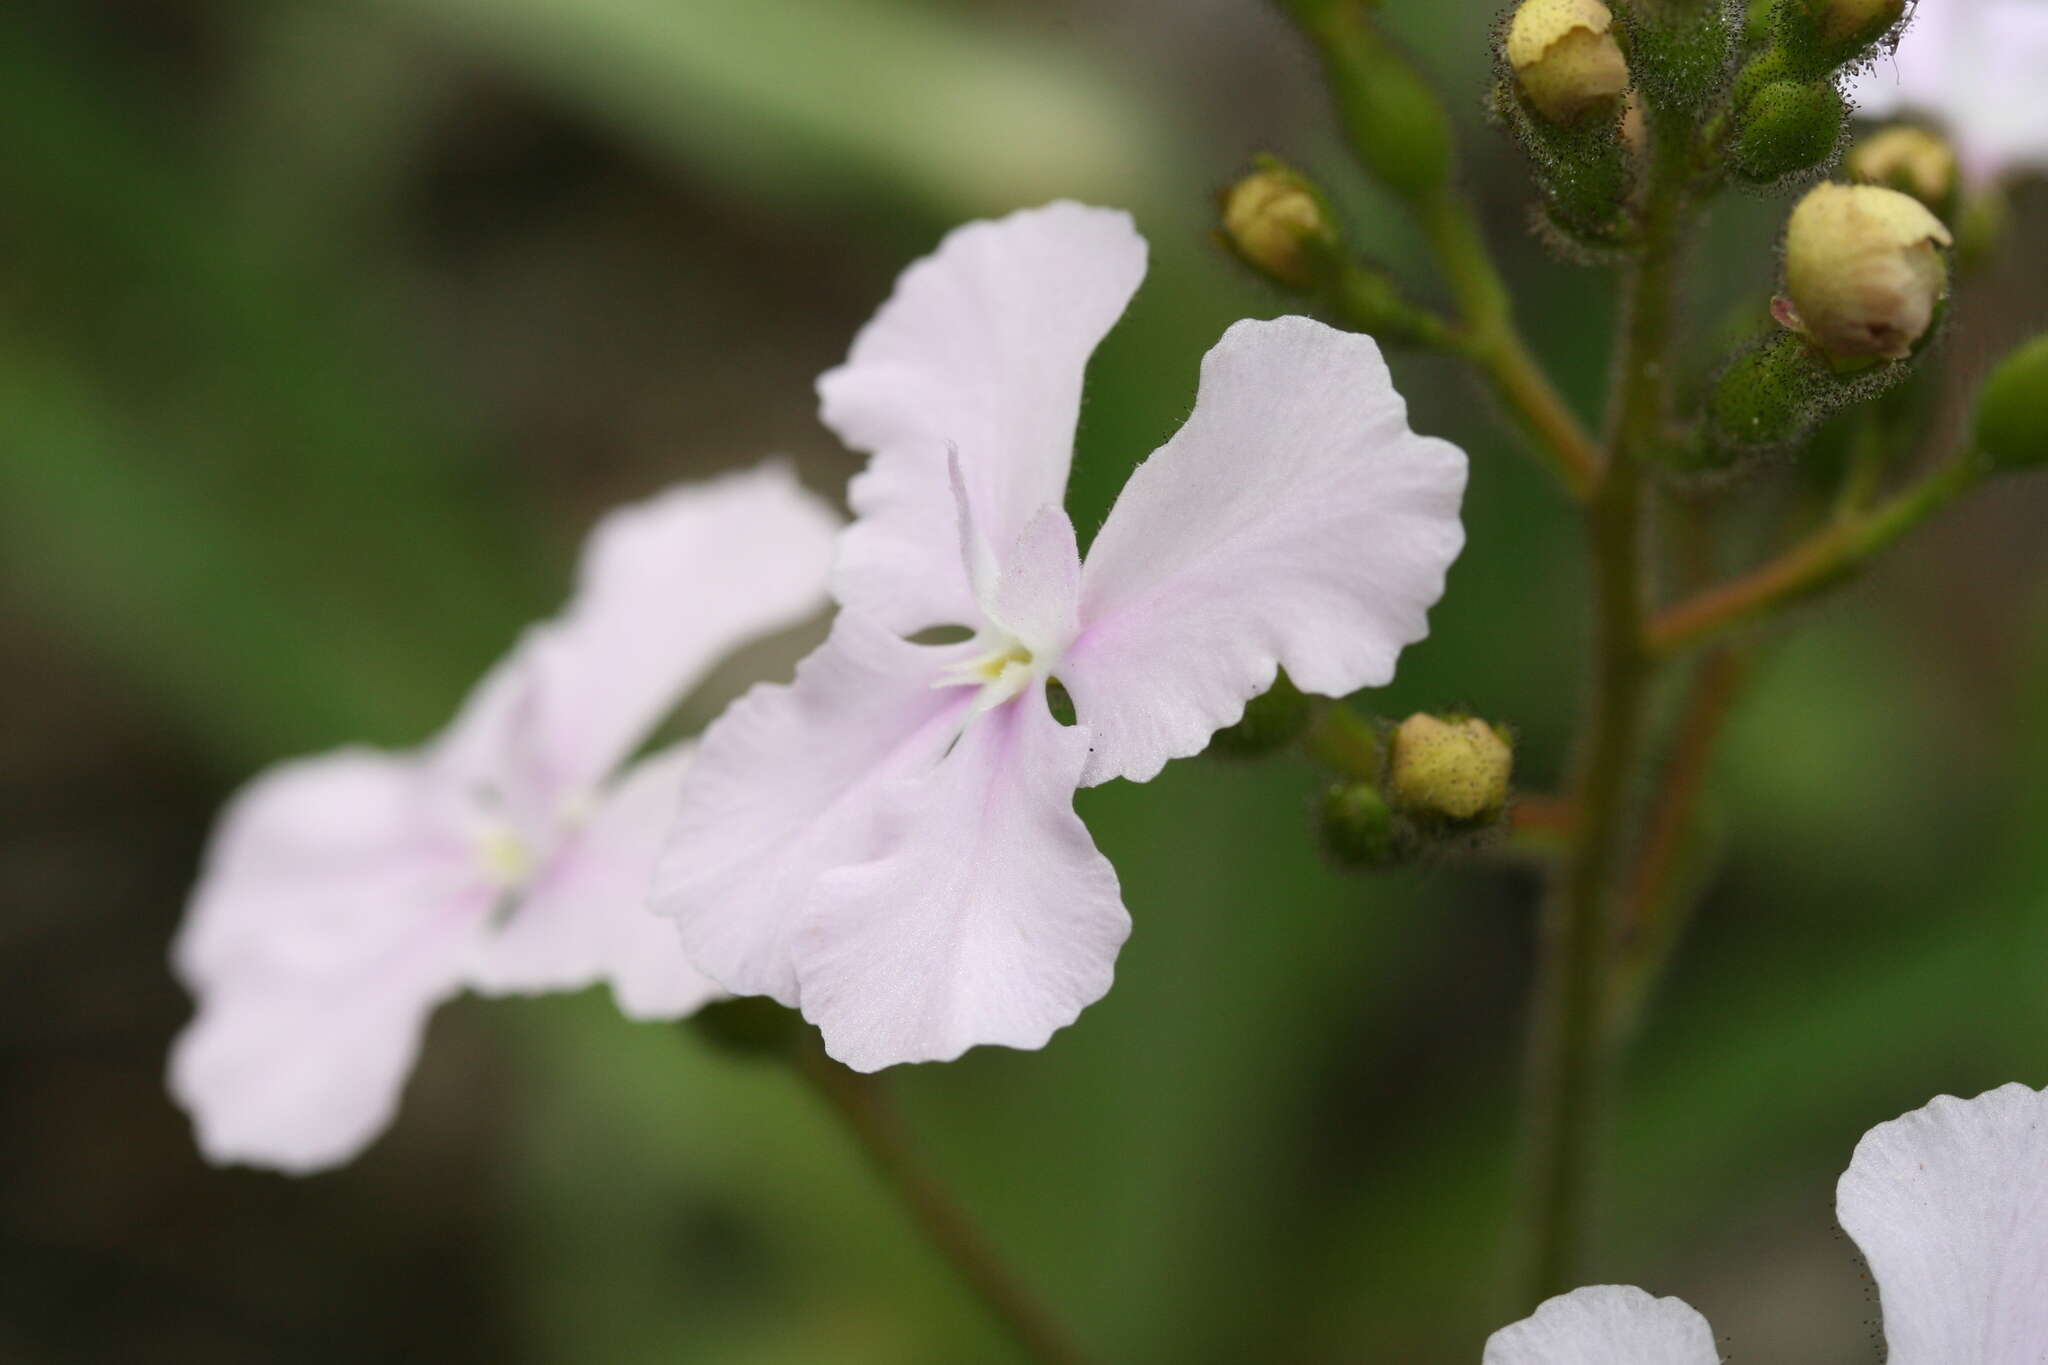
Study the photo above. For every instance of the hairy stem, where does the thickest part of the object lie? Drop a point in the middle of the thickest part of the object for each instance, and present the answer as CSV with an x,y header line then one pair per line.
x,y
863,1106
1658,905
1570,1039
1820,561
1495,345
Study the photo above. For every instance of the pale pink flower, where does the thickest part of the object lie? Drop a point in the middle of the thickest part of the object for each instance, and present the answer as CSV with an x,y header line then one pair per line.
x,y
344,896
1975,67
1950,1207
889,842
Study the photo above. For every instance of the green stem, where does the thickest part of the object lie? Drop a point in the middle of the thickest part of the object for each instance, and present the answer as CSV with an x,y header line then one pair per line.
x,y
861,1104
1662,893
1571,1040
1400,133
1818,562
1496,346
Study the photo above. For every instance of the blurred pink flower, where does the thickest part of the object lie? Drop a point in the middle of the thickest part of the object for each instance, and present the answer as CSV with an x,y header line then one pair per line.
x,y
1950,1207
889,842
1976,67
344,896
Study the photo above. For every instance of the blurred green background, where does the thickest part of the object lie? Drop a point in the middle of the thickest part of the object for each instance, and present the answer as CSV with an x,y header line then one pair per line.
x,y
326,329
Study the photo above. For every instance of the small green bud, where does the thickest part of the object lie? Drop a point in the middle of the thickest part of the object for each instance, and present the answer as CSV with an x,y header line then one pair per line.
x,y
749,1026
1450,771
1816,37
1764,399
1395,121
1680,54
1864,270
1358,826
1271,721
2012,410
1787,127
1854,21
1278,223
1566,60
1912,161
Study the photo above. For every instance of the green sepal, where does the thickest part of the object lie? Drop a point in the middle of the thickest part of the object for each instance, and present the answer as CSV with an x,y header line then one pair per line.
x,y
1785,128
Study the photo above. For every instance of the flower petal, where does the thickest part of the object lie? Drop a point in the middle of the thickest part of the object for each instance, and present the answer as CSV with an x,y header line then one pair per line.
x,y
783,790
331,917
588,918
982,348
1950,1207
1606,1324
667,588
1295,521
1038,591
989,916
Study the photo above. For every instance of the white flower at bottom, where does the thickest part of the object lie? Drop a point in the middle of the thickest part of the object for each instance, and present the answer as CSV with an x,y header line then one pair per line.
x,y
1950,1207
889,842
1977,66
344,896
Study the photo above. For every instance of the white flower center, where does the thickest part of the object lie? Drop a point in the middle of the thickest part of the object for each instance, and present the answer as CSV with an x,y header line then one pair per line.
x,y
509,851
1003,667
507,859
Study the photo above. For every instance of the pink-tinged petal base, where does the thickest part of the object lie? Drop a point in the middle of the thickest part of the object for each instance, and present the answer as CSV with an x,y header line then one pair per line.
x,y
588,918
1295,521
784,789
989,917
982,349
1950,1207
332,916
1606,1324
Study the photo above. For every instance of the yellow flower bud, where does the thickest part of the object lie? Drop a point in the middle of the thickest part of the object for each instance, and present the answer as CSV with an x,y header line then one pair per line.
x,y
1450,770
1276,222
1864,270
1564,57
1911,160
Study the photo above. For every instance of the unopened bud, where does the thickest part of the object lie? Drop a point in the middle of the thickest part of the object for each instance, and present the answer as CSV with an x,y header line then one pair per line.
x,y
1787,127
1864,270
1358,826
1860,21
1565,58
1277,222
1910,160
2012,411
1452,771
